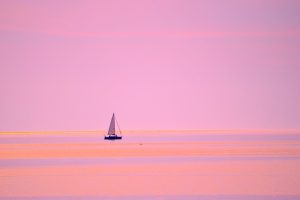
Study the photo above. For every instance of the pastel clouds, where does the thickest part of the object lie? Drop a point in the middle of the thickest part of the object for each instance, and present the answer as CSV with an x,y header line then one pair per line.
x,y
157,64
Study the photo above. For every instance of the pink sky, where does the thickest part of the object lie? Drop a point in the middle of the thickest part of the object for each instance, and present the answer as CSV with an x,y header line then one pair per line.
x,y
158,64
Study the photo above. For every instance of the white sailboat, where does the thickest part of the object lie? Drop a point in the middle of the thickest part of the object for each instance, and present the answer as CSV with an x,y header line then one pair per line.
x,y
111,134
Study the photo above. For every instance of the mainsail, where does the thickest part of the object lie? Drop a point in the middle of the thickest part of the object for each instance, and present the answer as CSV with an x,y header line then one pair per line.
x,y
112,129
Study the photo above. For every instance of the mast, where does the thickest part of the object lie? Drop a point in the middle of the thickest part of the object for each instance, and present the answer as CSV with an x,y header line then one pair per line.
x,y
112,129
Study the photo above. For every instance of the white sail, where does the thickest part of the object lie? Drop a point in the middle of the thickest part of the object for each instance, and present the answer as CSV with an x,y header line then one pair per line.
x,y
112,129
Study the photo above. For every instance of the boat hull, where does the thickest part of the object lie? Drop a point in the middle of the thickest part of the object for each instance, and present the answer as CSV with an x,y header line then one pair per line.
x,y
113,137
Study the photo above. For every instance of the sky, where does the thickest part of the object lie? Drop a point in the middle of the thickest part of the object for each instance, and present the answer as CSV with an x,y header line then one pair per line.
x,y
158,64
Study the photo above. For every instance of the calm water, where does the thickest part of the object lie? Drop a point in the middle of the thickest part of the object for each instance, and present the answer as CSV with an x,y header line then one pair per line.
x,y
151,166
156,137
187,197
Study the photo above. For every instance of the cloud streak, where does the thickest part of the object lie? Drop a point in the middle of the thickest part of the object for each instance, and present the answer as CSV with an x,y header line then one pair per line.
x,y
157,34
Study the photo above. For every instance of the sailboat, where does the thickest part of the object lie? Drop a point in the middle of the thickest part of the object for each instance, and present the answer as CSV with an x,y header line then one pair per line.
x,y
111,134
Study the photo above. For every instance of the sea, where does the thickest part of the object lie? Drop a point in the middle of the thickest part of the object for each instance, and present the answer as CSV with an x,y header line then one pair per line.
x,y
206,165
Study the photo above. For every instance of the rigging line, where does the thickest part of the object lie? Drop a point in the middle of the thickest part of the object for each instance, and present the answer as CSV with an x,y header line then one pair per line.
x,y
118,126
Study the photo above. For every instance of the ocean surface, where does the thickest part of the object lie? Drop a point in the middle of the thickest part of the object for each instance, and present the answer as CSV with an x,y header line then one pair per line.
x,y
151,165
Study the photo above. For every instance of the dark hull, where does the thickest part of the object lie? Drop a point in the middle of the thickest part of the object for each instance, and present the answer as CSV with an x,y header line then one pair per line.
x,y
113,137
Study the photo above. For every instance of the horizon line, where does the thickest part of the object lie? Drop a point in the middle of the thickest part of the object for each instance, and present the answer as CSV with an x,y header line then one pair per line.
x,y
289,130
